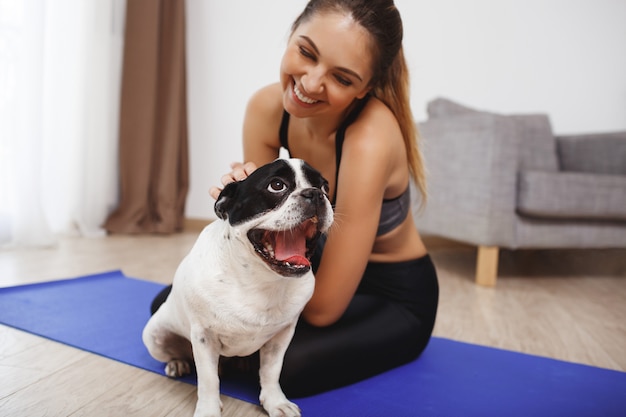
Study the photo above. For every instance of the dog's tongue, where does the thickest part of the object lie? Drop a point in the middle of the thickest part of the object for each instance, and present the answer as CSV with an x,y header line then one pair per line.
x,y
290,247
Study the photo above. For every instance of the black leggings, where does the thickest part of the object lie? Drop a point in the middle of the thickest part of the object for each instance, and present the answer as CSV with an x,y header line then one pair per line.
x,y
388,323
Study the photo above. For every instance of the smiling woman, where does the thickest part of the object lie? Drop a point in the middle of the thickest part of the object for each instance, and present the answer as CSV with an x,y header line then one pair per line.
x,y
342,105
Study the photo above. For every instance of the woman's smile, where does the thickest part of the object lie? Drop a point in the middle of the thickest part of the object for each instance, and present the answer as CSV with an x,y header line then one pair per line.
x,y
301,97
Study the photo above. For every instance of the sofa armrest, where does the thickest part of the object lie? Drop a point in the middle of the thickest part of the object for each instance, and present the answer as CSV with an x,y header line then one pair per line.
x,y
472,163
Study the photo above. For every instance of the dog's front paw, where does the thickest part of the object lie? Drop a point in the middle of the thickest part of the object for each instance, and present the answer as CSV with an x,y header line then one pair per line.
x,y
277,405
210,409
284,409
177,368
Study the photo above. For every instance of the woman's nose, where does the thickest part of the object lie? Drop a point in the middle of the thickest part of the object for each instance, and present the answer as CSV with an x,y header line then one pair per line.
x,y
313,81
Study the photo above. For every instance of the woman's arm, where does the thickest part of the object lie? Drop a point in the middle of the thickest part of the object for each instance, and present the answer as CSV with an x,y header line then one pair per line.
x,y
364,173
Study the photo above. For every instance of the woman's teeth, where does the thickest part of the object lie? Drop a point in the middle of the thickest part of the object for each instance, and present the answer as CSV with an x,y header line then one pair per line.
x,y
302,97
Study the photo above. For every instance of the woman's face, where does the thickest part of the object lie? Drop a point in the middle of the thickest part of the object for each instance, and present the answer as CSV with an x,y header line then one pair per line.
x,y
327,64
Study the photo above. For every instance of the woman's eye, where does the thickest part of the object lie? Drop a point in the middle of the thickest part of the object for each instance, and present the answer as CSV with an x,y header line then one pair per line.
x,y
343,81
305,53
276,186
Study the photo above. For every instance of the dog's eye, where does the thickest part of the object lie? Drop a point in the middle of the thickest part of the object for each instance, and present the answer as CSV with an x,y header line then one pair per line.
x,y
325,188
276,186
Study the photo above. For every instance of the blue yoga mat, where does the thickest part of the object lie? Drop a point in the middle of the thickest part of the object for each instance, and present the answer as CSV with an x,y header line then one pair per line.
x,y
105,314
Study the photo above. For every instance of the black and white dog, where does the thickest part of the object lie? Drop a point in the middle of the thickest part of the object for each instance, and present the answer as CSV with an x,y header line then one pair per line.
x,y
244,283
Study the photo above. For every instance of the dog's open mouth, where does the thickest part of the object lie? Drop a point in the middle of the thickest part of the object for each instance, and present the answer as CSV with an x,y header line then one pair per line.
x,y
287,252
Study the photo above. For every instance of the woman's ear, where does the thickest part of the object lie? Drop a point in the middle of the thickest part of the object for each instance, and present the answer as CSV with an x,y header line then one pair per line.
x,y
365,92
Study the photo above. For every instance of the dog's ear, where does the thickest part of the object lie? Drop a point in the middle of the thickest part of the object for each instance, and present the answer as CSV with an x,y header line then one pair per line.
x,y
226,200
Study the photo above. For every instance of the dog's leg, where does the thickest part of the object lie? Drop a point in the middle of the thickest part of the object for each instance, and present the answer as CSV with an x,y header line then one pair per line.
x,y
166,346
206,355
272,397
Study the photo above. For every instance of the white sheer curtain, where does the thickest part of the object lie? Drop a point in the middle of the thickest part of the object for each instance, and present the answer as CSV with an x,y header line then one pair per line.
x,y
60,69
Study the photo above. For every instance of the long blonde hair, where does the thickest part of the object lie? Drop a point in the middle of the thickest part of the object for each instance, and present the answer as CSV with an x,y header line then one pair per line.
x,y
390,82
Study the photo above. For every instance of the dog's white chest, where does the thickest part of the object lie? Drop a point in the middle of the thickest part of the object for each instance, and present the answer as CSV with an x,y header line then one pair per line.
x,y
244,342
240,325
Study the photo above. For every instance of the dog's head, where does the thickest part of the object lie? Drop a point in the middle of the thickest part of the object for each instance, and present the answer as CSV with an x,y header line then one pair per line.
x,y
282,208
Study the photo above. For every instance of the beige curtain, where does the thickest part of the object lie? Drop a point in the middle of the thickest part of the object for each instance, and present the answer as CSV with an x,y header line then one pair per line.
x,y
153,153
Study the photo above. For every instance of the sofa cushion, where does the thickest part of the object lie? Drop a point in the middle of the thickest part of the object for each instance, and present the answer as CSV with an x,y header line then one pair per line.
x,y
600,153
568,195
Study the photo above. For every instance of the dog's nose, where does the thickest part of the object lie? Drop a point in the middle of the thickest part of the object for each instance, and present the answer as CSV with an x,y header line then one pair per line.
x,y
312,194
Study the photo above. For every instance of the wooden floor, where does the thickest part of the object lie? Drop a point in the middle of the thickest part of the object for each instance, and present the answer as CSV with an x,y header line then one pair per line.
x,y
569,305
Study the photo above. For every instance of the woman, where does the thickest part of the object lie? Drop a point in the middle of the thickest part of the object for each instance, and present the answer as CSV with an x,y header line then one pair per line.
x,y
342,105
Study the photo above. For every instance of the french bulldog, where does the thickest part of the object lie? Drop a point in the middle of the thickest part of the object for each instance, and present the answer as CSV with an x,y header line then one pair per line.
x,y
245,282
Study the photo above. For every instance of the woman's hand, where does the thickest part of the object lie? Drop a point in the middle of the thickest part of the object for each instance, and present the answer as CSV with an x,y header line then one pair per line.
x,y
239,171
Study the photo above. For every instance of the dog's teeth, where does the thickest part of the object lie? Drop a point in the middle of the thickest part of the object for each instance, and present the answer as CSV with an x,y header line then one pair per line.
x,y
269,249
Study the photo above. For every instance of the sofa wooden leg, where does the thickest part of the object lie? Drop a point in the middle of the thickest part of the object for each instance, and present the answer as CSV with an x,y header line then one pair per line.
x,y
487,266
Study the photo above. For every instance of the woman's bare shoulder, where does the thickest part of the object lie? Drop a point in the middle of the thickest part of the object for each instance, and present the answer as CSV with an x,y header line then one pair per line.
x,y
374,147
375,132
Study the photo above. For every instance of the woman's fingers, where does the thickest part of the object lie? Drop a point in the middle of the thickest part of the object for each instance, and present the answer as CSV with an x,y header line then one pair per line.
x,y
239,171
215,192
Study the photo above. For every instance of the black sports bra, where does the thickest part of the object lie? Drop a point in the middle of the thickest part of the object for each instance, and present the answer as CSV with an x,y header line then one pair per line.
x,y
395,210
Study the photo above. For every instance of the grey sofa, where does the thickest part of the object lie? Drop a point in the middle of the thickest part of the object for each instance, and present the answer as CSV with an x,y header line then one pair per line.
x,y
506,181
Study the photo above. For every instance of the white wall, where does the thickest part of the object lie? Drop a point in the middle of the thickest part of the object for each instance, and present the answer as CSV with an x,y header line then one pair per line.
x,y
233,48
566,58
